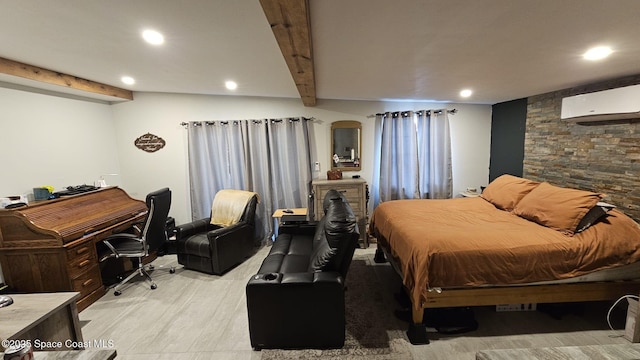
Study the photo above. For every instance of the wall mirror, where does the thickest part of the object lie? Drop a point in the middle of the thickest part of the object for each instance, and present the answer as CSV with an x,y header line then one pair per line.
x,y
346,145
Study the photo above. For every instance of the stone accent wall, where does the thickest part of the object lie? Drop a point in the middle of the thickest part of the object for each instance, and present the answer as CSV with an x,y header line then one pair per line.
x,y
599,157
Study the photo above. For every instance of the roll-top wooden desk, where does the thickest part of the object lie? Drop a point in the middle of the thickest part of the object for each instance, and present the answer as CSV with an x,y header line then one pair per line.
x,y
49,246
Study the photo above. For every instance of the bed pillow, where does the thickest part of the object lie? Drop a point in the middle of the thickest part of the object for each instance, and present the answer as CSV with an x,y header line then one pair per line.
x,y
593,215
507,190
556,207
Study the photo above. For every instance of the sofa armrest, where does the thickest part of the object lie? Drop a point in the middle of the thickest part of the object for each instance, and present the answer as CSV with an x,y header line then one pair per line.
x,y
192,228
216,232
296,310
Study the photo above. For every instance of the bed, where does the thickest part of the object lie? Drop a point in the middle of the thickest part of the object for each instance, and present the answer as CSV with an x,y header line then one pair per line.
x,y
521,241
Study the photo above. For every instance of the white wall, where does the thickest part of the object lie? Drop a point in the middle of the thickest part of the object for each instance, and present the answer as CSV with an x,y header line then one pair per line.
x,y
470,146
161,114
49,140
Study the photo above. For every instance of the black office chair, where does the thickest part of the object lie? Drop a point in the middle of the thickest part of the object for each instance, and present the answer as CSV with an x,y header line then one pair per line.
x,y
151,237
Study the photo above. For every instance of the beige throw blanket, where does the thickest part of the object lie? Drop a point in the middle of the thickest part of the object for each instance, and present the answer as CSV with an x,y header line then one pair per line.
x,y
228,206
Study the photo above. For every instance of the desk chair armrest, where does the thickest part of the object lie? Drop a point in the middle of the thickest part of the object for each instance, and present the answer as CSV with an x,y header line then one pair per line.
x,y
112,242
137,226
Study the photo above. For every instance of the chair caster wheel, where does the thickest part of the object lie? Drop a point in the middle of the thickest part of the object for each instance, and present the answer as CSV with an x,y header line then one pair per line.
x,y
172,271
117,293
154,286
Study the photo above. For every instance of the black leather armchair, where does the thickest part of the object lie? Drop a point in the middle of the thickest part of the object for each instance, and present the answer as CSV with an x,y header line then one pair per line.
x,y
296,300
214,249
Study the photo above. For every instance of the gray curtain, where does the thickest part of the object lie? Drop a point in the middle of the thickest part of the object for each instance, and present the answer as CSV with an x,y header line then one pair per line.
x,y
216,161
413,156
434,129
270,157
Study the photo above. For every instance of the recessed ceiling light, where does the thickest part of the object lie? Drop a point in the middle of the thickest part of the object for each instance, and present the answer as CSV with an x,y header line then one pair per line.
x,y
128,80
231,85
153,37
597,53
466,93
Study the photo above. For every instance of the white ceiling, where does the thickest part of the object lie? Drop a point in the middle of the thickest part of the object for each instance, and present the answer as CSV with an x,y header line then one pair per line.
x,y
363,49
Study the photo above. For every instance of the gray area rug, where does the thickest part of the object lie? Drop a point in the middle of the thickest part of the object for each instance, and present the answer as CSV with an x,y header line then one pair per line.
x,y
372,331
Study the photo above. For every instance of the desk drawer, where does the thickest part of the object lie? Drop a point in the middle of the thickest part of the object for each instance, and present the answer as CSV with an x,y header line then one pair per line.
x,y
88,281
81,258
81,264
86,248
350,192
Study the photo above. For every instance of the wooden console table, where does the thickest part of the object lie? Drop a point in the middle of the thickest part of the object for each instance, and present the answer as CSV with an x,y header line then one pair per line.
x,y
42,317
355,190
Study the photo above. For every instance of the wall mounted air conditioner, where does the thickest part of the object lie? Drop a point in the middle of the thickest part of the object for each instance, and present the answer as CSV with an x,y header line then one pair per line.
x,y
615,104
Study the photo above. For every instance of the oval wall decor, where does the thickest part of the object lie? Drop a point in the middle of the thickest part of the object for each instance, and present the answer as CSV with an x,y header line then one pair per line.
x,y
150,143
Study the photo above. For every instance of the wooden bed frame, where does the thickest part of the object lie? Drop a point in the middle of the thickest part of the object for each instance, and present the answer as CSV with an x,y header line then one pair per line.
x,y
482,296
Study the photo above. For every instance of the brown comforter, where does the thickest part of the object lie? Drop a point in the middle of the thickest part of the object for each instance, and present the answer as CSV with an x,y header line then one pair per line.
x,y
468,242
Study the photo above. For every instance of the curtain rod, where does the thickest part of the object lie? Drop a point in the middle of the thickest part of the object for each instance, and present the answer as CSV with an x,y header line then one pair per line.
x,y
254,121
450,111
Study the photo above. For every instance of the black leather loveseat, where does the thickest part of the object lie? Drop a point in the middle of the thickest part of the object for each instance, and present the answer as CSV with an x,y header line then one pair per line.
x,y
296,300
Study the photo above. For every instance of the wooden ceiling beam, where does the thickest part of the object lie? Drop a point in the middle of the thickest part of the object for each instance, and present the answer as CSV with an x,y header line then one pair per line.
x,y
31,72
291,24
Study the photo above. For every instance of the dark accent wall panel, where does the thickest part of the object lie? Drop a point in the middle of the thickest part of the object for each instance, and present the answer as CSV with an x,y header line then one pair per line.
x,y
508,121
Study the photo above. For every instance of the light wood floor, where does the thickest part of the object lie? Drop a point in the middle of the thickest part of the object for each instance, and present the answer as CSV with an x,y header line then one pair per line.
x,y
198,316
